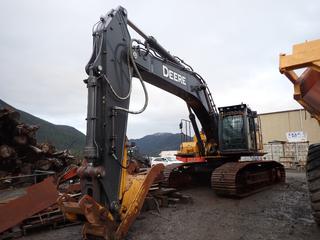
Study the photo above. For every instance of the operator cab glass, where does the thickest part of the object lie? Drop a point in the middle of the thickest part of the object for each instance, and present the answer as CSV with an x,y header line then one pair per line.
x,y
237,129
233,132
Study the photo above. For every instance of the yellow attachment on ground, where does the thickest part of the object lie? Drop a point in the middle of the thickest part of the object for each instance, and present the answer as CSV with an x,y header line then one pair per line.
x,y
136,190
99,221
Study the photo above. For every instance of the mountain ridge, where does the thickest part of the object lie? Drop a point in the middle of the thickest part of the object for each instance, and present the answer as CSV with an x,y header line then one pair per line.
x,y
61,136
153,144
68,137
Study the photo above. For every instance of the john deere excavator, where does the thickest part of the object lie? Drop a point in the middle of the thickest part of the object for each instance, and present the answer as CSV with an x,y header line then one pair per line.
x,y
307,93
113,195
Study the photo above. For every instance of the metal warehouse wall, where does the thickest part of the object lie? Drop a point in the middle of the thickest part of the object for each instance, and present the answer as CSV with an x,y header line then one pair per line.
x,y
275,125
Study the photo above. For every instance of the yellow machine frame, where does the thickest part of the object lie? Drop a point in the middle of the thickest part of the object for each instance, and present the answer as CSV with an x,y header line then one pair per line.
x,y
304,55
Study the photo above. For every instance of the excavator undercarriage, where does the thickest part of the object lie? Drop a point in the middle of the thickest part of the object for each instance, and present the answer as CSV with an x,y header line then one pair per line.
x,y
227,179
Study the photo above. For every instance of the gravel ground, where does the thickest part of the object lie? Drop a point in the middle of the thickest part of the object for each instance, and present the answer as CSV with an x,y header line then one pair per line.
x,y
281,212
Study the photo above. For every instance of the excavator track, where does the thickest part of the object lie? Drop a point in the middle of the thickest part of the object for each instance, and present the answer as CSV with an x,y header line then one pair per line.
x,y
240,179
175,176
190,173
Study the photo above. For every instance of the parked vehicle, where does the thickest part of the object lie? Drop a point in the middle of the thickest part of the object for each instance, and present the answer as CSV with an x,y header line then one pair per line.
x,y
164,160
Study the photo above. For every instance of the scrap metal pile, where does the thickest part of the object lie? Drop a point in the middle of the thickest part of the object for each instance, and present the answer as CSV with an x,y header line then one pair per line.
x,y
32,175
24,209
21,155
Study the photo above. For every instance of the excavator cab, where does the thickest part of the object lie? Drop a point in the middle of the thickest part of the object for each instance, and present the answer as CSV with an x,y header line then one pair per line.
x,y
238,129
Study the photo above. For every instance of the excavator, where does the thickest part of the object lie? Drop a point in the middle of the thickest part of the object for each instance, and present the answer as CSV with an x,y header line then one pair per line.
x,y
307,92
113,193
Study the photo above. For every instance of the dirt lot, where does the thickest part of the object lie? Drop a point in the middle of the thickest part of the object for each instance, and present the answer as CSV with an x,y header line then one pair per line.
x,y
281,212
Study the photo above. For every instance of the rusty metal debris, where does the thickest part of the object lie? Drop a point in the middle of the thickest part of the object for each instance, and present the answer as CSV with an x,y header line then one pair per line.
x,y
160,196
36,206
37,198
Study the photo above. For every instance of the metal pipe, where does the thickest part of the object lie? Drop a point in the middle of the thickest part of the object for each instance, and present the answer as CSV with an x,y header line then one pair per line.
x,y
138,30
154,44
26,176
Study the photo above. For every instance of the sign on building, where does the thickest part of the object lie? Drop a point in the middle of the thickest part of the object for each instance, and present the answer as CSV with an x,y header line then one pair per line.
x,y
298,136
